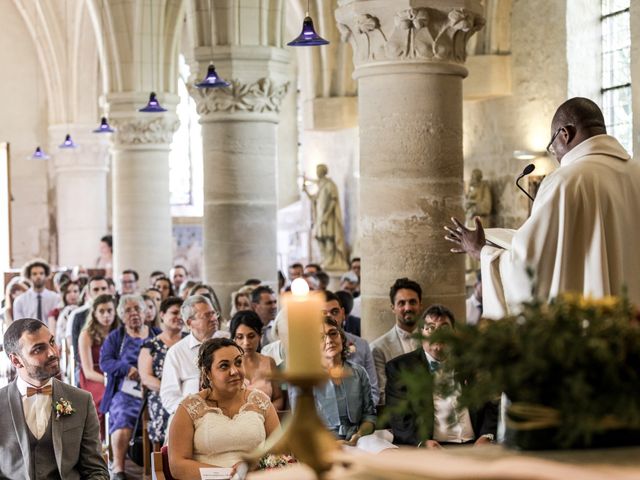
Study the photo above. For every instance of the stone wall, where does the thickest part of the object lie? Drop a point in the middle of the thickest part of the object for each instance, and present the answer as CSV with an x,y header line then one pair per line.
x,y
494,128
23,124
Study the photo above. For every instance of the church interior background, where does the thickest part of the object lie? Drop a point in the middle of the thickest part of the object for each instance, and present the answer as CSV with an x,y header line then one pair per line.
x,y
215,181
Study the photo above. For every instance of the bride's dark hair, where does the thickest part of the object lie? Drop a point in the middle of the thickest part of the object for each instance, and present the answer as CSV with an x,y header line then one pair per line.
x,y
205,357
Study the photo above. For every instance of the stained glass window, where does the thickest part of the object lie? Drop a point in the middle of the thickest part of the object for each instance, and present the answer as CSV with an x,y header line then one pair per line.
x,y
616,70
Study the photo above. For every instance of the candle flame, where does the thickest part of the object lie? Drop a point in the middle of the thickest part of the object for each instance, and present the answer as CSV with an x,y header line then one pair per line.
x,y
299,287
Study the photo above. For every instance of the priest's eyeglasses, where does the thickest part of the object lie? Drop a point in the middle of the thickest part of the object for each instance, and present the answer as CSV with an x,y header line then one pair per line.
x,y
550,148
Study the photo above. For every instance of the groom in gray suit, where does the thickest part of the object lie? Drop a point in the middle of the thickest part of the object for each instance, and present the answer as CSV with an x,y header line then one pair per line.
x,y
48,430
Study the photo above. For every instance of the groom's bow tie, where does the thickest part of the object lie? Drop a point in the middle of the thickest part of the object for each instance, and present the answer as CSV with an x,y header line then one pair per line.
x,y
46,390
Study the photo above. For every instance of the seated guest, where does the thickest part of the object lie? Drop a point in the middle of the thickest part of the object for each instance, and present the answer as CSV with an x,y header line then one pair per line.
x,y
153,276
119,360
178,275
345,402
406,304
224,420
151,362
34,443
323,280
164,285
16,287
70,296
241,300
277,348
180,376
100,323
155,295
358,349
474,302
349,283
185,287
210,293
265,304
151,317
351,323
246,329
38,301
451,426
295,271
129,282
312,268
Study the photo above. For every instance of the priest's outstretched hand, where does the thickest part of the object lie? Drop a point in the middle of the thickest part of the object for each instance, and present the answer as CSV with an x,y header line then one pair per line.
x,y
466,240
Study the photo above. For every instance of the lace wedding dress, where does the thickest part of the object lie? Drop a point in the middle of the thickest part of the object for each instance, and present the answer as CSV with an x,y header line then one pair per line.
x,y
220,440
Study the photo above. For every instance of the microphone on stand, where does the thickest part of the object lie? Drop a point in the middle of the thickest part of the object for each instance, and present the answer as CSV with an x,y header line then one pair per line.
x,y
527,170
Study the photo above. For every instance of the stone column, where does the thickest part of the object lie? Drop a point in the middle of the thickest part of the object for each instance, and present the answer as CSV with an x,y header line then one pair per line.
x,y
142,237
239,134
408,57
81,193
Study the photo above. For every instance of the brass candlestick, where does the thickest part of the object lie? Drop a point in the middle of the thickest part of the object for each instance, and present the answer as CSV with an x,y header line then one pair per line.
x,y
304,435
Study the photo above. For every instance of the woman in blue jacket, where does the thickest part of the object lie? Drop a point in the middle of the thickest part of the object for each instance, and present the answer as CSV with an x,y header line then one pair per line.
x,y
345,402
119,360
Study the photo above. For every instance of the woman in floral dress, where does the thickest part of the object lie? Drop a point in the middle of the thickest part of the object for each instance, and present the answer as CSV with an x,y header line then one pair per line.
x,y
151,363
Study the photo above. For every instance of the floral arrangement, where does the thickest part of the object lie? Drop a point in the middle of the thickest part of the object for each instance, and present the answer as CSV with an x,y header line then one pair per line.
x,y
63,408
571,368
271,461
351,349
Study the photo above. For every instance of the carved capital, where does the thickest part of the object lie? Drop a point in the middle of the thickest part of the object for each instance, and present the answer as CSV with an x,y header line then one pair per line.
x,y
262,96
144,131
426,34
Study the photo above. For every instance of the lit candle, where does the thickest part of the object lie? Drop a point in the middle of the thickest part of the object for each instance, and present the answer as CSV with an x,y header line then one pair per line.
x,y
304,319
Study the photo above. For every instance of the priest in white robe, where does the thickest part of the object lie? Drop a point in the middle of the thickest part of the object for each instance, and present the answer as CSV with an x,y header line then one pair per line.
x,y
583,234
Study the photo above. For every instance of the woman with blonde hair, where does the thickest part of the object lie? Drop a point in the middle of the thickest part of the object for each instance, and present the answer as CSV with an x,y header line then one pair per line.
x,y
101,321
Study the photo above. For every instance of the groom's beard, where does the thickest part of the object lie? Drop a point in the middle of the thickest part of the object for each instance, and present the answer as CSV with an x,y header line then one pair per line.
x,y
44,372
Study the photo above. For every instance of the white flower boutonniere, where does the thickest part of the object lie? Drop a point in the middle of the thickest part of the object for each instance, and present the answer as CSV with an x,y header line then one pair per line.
x,y
63,408
351,349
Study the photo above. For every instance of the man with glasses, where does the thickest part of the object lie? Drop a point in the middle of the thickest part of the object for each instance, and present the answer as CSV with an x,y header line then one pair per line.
x,y
583,229
451,425
180,375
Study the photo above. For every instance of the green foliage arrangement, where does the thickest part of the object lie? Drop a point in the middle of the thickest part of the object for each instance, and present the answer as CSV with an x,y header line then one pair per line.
x,y
572,366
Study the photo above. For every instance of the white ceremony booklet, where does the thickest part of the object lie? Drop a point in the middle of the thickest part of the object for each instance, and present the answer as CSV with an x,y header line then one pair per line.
x,y
215,473
499,237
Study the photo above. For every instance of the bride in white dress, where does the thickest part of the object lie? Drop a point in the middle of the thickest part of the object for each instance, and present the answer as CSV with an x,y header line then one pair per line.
x,y
216,426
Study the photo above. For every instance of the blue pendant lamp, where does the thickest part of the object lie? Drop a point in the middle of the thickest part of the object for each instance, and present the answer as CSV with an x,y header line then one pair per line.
x,y
153,106
68,142
308,36
212,80
104,126
39,155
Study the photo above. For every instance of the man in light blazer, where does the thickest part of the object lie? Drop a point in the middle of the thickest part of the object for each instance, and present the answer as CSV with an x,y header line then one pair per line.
x,y
48,430
406,303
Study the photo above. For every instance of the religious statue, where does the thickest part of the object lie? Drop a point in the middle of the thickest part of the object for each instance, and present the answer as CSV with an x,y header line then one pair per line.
x,y
478,200
328,230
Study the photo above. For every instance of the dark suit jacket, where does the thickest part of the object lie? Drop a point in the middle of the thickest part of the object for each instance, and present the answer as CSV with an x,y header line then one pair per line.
x,y
352,325
76,437
404,427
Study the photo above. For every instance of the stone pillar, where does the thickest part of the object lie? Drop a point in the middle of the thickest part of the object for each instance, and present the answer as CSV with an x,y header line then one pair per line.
x,y
408,56
239,134
81,179
142,237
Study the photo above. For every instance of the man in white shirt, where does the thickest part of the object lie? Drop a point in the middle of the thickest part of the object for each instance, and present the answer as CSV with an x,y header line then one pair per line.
x,y
180,375
583,229
406,304
38,301
41,415
451,425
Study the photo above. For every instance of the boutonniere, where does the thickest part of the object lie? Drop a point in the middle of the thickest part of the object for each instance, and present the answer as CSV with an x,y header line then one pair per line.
x,y
351,349
63,408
